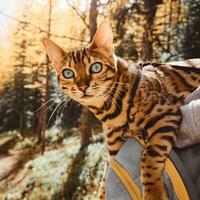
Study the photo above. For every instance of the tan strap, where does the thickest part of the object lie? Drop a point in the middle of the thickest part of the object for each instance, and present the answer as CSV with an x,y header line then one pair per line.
x,y
177,182
126,179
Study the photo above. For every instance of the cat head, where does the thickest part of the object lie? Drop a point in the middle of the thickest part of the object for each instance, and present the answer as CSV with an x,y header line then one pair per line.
x,y
88,72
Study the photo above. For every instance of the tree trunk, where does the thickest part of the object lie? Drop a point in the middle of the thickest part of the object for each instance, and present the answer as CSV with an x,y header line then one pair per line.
x,y
147,49
22,120
85,128
45,92
86,115
93,18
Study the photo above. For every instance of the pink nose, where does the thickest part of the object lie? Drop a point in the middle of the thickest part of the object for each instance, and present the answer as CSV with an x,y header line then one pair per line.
x,y
82,88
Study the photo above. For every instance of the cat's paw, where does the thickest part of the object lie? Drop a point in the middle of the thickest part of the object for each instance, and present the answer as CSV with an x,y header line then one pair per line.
x,y
155,197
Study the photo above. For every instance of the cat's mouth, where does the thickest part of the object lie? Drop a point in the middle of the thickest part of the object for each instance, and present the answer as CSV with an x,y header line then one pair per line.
x,y
86,95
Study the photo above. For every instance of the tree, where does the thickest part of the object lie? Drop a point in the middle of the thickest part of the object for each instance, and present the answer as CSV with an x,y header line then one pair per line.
x,y
6,106
150,7
45,87
149,30
20,112
191,40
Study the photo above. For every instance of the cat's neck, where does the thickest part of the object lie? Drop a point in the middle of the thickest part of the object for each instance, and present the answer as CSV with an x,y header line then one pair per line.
x,y
116,104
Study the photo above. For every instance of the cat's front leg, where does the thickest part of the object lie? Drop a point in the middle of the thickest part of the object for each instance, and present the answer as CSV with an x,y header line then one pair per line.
x,y
153,162
161,129
154,155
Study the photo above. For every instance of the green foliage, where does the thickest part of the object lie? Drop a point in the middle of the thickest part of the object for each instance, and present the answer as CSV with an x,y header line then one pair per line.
x,y
26,142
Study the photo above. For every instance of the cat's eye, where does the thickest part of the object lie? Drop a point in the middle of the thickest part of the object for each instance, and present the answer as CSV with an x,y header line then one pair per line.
x,y
68,73
96,67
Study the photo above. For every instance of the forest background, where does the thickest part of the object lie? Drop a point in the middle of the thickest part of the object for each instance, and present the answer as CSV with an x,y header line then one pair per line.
x,y
33,113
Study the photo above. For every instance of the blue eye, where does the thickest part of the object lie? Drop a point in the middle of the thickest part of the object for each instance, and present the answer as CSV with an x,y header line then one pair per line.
x,y
68,73
96,67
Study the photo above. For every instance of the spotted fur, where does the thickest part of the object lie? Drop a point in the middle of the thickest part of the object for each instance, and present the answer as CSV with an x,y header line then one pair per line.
x,y
152,112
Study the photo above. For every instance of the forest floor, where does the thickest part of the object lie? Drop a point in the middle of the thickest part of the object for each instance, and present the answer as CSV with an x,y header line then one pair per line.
x,y
64,171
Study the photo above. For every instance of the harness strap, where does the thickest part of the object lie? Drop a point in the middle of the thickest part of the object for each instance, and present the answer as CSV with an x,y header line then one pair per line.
x,y
131,100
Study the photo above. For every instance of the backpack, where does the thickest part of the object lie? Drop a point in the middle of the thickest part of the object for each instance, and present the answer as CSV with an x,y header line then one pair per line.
x,y
181,175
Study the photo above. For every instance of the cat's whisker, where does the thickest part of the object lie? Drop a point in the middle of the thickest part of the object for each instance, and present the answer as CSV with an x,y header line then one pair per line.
x,y
50,100
121,83
69,101
94,88
116,96
62,108
45,109
97,91
118,93
57,114
63,101
115,102
44,104
122,89
106,98
53,112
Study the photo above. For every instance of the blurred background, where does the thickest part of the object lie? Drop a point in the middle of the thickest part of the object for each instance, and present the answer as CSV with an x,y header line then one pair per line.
x,y
33,112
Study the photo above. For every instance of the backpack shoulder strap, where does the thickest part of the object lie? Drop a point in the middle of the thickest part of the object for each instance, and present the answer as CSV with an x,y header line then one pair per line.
x,y
126,179
177,182
185,172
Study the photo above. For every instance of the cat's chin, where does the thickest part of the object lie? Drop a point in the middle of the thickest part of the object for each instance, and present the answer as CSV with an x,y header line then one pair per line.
x,y
84,99
86,96
87,100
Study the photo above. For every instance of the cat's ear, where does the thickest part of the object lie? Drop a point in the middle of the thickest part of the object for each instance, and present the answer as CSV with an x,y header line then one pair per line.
x,y
103,38
54,52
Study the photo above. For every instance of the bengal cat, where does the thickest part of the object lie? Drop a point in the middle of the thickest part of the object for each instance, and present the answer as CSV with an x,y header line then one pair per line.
x,y
128,100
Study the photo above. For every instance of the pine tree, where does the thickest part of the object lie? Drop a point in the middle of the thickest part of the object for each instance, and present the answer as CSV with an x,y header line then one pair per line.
x,y
22,91
22,68
45,87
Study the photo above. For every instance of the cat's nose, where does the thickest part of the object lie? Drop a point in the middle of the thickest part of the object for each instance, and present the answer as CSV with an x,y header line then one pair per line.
x,y
83,88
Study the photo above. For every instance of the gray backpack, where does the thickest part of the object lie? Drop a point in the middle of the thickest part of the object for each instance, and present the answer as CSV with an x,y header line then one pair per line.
x,y
186,161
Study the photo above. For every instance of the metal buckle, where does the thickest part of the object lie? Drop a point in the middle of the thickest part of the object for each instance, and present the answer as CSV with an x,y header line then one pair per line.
x,y
126,136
